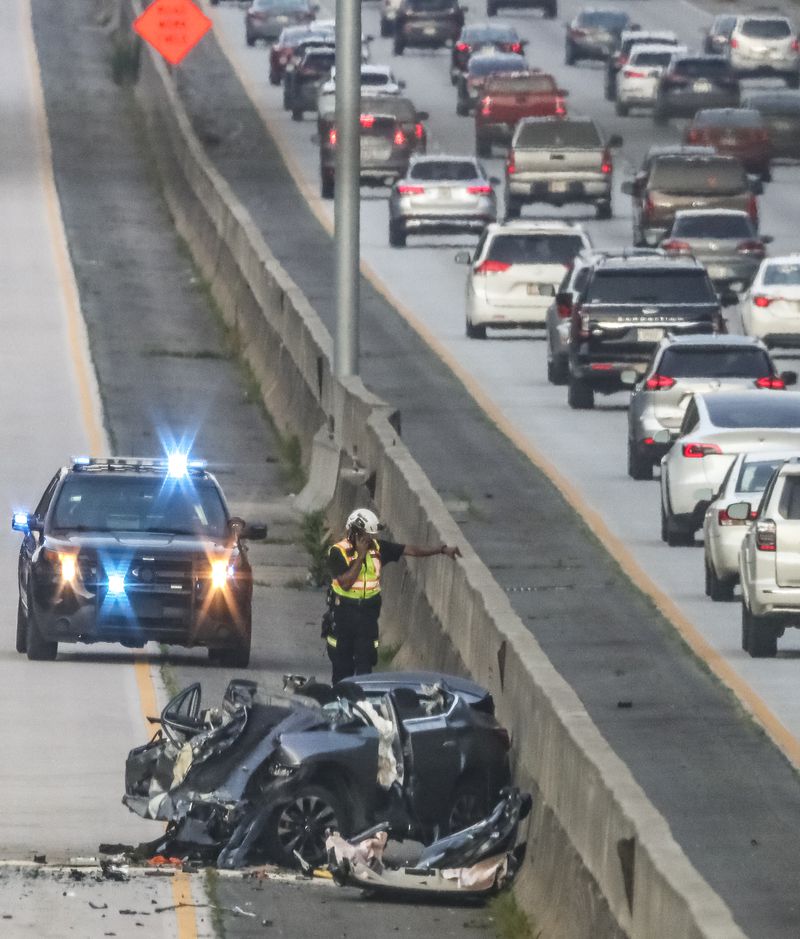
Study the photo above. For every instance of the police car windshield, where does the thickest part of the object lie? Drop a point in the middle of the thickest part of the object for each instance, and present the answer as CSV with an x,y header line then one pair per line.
x,y
117,503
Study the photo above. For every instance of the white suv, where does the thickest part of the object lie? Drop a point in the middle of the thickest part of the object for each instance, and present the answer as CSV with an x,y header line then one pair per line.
x,y
765,44
515,272
769,562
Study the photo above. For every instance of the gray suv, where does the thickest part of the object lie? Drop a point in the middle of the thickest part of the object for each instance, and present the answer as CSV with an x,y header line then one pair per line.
x,y
765,44
680,367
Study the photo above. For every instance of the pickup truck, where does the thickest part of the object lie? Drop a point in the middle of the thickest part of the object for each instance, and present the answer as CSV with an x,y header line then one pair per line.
x,y
559,161
506,99
625,308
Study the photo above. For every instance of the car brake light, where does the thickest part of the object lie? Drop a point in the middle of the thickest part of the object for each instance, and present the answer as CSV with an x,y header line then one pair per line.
x,y
579,325
515,47
766,535
367,120
674,246
633,73
693,135
481,190
399,138
771,381
462,47
560,110
649,206
752,208
761,301
564,310
696,451
750,247
492,267
410,190
622,59
795,45
734,42
486,106
419,131
511,166
659,383
607,166
332,136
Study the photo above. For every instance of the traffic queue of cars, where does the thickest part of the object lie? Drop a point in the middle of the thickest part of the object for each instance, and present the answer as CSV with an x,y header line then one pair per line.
x,y
650,318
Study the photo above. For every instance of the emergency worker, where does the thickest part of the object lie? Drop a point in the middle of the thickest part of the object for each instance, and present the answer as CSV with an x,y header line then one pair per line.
x,y
351,625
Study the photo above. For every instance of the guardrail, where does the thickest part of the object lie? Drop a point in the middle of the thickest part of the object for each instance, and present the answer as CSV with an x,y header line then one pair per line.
x,y
602,861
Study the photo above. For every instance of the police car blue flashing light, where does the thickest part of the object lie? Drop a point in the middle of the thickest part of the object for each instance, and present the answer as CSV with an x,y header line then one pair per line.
x,y
177,465
116,585
81,461
19,521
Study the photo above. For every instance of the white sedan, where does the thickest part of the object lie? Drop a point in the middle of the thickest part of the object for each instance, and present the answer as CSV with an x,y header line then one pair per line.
x,y
637,82
515,272
376,79
771,307
716,427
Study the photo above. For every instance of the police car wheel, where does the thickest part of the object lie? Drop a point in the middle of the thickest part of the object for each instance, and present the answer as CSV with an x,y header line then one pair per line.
x,y
37,647
235,657
22,628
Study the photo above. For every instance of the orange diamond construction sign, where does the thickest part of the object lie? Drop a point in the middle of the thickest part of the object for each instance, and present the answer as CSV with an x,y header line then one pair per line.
x,y
172,27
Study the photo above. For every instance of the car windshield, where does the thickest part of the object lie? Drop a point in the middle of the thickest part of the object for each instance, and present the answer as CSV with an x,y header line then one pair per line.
x,y
604,19
702,68
755,474
652,59
485,65
319,60
558,134
777,105
374,78
647,41
535,248
766,29
760,409
713,226
782,274
477,34
521,84
121,503
432,6
282,6
714,362
684,286
400,108
704,176
444,170
730,117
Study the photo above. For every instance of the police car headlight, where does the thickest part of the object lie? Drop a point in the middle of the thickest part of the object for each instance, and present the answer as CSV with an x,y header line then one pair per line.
x,y
221,572
69,567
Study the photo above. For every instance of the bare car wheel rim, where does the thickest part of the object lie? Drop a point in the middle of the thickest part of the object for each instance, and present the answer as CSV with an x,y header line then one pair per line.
x,y
302,825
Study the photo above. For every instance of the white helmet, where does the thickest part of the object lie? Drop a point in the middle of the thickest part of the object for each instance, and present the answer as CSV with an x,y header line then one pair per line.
x,y
363,520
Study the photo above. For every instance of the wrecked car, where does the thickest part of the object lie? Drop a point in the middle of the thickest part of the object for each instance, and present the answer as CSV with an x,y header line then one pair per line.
x,y
267,775
481,859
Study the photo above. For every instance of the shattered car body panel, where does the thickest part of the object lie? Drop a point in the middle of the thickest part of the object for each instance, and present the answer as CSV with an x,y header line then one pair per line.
x,y
265,773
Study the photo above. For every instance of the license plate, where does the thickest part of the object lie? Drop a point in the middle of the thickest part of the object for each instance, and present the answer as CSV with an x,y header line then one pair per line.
x,y
714,272
728,141
558,185
281,19
649,335
776,54
540,290
429,30
375,153
701,86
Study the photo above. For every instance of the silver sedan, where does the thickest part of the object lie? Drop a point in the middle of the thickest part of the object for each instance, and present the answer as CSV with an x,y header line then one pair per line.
x,y
441,195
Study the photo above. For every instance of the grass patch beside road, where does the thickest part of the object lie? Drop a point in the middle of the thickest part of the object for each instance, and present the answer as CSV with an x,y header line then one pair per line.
x,y
509,920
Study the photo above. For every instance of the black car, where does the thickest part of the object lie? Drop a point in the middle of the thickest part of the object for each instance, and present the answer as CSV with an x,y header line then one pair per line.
x,y
482,66
479,37
691,83
594,34
718,35
131,550
781,112
625,309
549,8
266,775
301,81
427,24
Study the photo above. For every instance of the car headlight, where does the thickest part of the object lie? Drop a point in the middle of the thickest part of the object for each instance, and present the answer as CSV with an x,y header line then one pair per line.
x,y
69,567
281,770
222,571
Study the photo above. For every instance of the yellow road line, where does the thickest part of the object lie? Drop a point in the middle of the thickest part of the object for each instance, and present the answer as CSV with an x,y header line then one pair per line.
x,y
780,735
90,409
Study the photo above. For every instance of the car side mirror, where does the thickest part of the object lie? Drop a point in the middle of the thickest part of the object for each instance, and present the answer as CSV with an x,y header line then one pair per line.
x,y
463,257
563,92
755,185
729,298
494,180
423,116
401,83
739,511
789,378
628,188
564,298
634,27
767,239
369,39
255,531
464,9
615,141
629,377
661,436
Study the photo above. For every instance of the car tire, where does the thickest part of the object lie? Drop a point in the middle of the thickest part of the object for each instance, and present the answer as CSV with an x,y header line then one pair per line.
x,y
580,395
558,371
274,79
717,588
745,627
297,114
762,636
603,211
621,109
327,185
386,29
663,524
483,146
569,54
397,233
475,332
251,40
677,537
640,465
513,208
793,80
22,629
610,90
462,110
399,46
468,804
233,657
766,175
301,824
37,647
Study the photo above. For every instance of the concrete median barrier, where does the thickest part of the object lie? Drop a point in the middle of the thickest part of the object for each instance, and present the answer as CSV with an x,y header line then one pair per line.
x,y
602,861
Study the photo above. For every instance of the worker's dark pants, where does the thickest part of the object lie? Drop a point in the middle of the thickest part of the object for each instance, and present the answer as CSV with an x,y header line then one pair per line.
x,y
353,645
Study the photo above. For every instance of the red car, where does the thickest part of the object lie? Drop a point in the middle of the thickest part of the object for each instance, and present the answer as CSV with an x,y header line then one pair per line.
x,y
290,38
508,98
739,132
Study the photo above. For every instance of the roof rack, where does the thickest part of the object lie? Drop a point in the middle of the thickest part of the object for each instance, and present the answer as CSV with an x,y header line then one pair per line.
x,y
166,465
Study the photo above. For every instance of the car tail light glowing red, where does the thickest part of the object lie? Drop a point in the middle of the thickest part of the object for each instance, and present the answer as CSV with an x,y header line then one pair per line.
x,y
633,73
462,47
601,366
734,42
696,451
771,381
750,247
752,208
419,131
399,138
649,206
607,166
761,301
492,267
560,110
486,106
795,45
406,190
766,535
674,246
564,310
481,190
659,383
332,136
511,166
367,120
515,47
693,135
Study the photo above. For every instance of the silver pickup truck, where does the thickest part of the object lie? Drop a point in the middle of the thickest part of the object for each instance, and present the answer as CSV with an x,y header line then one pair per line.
x,y
559,161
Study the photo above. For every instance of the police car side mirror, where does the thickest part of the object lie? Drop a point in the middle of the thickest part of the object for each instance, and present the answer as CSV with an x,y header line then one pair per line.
x,y
255,531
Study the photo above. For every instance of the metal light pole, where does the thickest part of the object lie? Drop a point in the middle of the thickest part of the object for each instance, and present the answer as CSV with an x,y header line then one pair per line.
x,y
346,192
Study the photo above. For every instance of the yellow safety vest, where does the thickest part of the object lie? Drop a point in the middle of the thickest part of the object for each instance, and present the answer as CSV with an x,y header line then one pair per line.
x,y
368,582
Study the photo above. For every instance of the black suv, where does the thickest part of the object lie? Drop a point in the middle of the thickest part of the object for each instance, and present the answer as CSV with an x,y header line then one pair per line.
x,y
625,309
302,80
131,550
691,83
427,24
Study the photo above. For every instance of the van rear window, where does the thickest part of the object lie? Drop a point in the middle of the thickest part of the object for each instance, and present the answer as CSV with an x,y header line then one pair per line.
x,y
558,134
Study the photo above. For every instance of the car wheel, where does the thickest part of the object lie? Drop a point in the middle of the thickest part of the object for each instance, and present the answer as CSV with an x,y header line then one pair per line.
x,y
745,627
475,332
622,109
386,28
677,537
300,825
399,46
251,40
603,211
397,233
558,371
468,804
326,185
297,114
580,395
462,110
793,81
663,523
766,176
513,208
233,657
274,78
569,54
37,647
716,587
483,146
763,639
640,465
22,628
